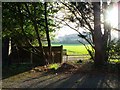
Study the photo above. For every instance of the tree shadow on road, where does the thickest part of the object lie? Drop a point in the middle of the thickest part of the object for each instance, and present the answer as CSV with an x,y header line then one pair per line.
x,y
86,81
84,77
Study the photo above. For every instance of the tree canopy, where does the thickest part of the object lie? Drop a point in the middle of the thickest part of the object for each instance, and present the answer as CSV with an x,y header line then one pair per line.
x,y
24,23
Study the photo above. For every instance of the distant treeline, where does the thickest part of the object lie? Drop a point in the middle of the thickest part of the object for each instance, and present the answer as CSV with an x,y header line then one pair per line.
x,y
69,39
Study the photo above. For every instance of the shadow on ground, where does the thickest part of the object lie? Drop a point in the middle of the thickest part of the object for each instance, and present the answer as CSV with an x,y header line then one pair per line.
x,y
15,69
86,76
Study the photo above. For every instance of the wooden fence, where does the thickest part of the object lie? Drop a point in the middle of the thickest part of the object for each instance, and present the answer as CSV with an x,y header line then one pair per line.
x,y
24,55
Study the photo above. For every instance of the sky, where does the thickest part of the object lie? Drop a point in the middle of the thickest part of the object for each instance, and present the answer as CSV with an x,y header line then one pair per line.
x,y
65,30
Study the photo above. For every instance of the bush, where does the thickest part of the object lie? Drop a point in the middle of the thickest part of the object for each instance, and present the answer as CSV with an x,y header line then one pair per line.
x,y
114,49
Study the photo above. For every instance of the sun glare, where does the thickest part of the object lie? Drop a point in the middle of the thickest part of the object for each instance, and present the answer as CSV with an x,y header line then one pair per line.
x,y
112,17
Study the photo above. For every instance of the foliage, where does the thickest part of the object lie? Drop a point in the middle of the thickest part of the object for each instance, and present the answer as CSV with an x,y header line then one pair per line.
x,y
11,21
25,23
114,49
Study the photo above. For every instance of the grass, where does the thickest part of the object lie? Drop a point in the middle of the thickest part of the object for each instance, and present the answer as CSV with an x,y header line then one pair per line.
x,y
73,49
54,66
78,49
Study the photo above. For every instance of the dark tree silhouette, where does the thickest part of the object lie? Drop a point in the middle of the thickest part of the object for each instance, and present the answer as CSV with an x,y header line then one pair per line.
x,y
47,34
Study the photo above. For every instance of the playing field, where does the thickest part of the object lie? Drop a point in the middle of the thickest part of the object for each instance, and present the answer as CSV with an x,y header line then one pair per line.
x,y
73,49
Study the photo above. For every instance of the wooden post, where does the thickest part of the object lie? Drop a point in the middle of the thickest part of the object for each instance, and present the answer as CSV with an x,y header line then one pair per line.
x,y
61,54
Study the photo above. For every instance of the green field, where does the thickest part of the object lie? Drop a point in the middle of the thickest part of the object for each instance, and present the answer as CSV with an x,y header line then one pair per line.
x,y
77,49
73,49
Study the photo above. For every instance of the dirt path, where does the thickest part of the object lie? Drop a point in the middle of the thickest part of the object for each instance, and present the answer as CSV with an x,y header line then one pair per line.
x,y
73,57
62,80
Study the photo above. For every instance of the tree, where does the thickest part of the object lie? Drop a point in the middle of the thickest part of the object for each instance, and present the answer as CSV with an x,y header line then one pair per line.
x,y
34,21
24,22
99,57
5,50
88,16
47,33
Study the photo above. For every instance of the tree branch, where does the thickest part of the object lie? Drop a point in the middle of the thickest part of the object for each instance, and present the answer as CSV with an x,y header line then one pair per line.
x,y
77,31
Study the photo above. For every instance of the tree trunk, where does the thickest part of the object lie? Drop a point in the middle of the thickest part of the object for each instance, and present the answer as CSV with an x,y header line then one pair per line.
x,y
38,37
40,43
99,60
48,36
5,51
